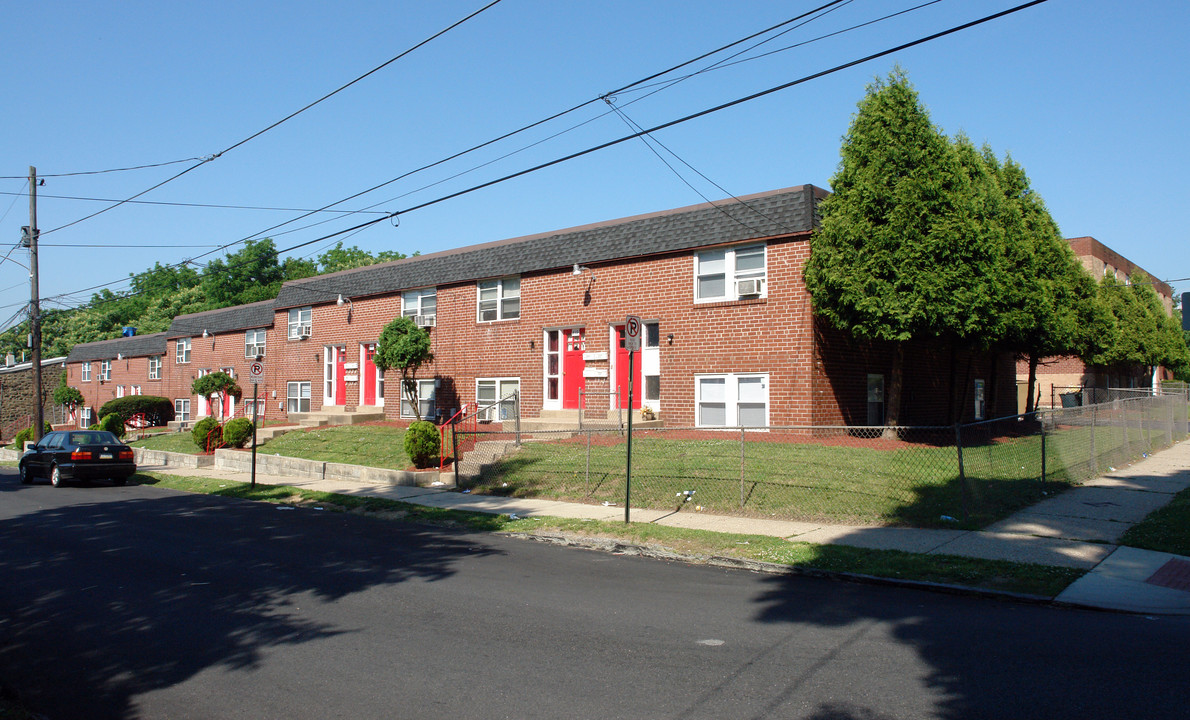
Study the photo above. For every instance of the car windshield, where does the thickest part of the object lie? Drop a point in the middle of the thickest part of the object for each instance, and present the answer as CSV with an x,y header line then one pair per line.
x,y
92,438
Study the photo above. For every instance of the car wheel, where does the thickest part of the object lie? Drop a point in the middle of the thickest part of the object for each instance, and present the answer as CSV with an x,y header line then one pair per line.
x,y
26,478
55,477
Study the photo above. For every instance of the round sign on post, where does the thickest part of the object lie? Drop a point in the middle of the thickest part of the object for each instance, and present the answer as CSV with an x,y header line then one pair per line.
x,y
632,330
256,372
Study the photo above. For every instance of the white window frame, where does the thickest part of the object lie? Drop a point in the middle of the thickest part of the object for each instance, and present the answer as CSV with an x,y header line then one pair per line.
x,y
299,318
502,411
85,417
427,396
105,370
297,391
254,343
182,409
650,365
423,301
134,390
182,351
85,372
154,367
119,391
980,392
498,306
704,267
730,400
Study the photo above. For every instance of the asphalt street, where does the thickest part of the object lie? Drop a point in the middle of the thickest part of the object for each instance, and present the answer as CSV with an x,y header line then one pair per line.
x,y
139,602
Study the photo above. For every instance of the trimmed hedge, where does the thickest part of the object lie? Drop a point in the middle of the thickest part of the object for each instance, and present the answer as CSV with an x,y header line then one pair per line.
x,y
207,427
237,432
157,410
113,424
422,443
27,435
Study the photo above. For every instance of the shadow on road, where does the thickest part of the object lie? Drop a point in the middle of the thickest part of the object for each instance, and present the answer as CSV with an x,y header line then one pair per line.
x,y
135,577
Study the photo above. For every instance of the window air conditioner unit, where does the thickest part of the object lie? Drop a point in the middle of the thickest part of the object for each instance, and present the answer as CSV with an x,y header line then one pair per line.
x,y
749,287
304,331
424,321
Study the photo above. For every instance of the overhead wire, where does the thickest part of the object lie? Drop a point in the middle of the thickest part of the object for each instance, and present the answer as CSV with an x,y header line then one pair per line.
x,y
101,172
191,205
654,129
215,156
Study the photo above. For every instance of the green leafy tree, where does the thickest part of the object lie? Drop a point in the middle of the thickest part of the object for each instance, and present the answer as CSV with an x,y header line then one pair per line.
x,y
900,254
250,274
1147,336
216,386
67,396
406,347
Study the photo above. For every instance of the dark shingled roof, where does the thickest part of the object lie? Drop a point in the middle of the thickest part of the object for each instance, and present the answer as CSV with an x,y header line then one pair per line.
x,y
135,346
230,319
774,213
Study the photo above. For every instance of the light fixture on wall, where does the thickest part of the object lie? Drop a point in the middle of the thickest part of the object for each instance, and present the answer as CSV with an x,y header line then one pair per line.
x,y
206,334
579,269
345,301
670,338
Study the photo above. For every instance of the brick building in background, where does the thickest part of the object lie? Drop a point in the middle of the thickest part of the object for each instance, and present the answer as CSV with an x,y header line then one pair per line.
x,y
1068,374
110,369
729,335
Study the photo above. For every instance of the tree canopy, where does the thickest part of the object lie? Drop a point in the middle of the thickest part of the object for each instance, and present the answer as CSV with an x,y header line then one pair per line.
x,y
406,347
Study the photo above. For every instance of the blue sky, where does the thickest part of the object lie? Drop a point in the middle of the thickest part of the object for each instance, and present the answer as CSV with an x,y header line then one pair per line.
x,y
1090,96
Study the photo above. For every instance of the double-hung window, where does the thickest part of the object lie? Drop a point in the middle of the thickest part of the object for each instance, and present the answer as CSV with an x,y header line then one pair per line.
x,y
299,323
297,397
425,400
499,299
496,399
182,351
105,370
732,400
421,305
154,367
119,391
730,274
254,343
85,372
85,417
182,409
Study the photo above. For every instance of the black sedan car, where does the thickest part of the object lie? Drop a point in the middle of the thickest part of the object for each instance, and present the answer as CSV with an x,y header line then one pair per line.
x,y
85,455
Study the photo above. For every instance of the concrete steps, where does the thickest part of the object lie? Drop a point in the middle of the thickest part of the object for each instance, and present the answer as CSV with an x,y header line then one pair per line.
x,y
485,454
338,416
553,420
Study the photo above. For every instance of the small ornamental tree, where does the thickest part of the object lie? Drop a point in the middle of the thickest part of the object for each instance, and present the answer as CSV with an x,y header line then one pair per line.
x,y
406,347
67,396
216,385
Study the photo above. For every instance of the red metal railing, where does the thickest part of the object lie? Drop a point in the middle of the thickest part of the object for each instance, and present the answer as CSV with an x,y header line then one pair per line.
x,y
461,428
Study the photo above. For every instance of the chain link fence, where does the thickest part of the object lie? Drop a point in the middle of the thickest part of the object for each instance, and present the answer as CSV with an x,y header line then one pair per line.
x,y
956,476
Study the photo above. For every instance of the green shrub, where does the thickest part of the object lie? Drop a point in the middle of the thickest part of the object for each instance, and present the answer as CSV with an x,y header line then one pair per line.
x,y
113,423
26,435
157,410
237,432
206,431
422,444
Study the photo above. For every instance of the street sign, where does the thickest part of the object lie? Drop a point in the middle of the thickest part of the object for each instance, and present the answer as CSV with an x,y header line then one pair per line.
x,y
256,372
632,331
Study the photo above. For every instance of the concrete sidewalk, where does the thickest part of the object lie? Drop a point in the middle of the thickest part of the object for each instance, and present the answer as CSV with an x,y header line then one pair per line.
x,y
1079,528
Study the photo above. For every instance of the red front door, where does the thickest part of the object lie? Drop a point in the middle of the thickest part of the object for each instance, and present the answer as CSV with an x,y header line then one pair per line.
x,y
368,376
622,373
341,375
229,402
572,366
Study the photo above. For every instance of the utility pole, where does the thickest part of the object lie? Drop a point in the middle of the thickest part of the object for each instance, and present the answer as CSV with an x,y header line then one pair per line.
x,y
35,308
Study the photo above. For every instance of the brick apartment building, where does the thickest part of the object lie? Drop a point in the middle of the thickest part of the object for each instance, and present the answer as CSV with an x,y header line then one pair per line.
x,y
111,369
729,335
1066,374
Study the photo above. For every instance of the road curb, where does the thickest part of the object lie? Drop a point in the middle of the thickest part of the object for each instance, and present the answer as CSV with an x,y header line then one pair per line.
x,y
759,566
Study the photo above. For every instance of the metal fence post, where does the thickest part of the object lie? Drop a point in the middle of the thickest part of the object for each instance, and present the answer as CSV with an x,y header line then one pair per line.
x,y
958,443
1094,458
741,466
587,481
1042,450
516,399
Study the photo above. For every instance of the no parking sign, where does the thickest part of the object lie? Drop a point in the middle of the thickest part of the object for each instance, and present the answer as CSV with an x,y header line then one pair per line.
x,y
632,330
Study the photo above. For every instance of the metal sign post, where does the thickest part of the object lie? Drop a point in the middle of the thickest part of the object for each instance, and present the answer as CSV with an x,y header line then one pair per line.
x,y
632,330
256,372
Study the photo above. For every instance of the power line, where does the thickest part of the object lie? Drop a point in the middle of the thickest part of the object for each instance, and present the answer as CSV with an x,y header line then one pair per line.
x,y
654,129
112,170
290,116
192,205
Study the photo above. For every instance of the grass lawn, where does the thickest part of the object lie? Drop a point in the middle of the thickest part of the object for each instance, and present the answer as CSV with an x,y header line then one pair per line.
x,y
1165,530
987,574
179,442
911,484
378,445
